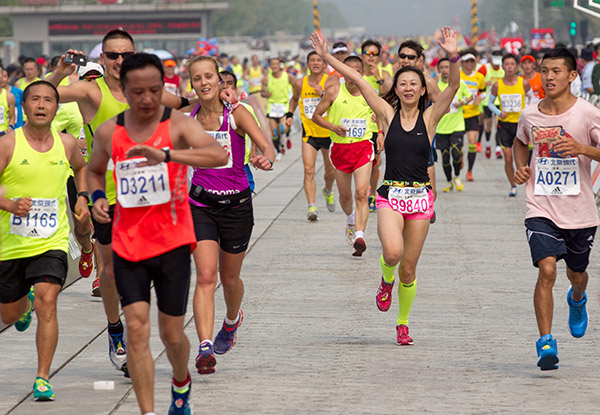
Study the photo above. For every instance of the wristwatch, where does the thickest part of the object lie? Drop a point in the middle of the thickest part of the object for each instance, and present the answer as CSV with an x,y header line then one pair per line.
x,y
167,151
84,194
380,82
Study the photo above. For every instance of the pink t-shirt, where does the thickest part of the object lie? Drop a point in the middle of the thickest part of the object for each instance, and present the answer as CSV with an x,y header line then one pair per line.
x,y
582,123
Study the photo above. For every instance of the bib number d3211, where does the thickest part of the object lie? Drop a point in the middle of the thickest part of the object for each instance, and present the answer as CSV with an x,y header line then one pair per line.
x,y
409,200
142,186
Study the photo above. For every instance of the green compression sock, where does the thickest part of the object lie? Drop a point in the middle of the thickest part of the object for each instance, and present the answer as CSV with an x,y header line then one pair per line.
x,y
388,272
406,296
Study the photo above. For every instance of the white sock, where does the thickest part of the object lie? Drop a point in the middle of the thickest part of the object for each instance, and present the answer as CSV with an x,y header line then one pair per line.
x,y
311,205
359,234
350,219
206,341
150,413
232,322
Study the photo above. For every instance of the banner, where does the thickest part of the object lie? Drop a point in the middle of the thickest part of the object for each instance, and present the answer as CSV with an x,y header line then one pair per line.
x,y
511,44
542,38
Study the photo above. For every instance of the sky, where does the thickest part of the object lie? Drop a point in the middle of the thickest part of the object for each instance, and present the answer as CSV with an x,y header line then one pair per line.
x,y
404,17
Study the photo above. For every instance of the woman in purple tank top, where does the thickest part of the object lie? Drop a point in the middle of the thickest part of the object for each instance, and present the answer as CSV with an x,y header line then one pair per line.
x,y
221,204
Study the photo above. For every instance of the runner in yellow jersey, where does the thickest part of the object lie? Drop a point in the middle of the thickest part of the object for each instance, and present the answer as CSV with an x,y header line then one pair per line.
x,y
35,163
308,92
511,90
352,152
492,72
7,104
254,75
31,72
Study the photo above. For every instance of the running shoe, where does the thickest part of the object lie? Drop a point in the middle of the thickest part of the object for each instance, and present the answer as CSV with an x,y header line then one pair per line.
x,y
578,318
117,351
498,152
25,320
448,188
478,147
312,214
488,152
350,234
459,184
205,361
470,176
96,287
288,144
278,157
383,299
42,390
547,353
181,403
86,262
329,199
372,204
513,191
359,246
403,338
226,337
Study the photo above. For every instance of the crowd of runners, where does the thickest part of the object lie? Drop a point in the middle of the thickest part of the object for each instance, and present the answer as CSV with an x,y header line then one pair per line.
x,y
111,141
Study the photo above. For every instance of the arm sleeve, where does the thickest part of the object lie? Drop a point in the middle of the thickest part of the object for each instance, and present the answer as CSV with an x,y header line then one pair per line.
x,y
492,107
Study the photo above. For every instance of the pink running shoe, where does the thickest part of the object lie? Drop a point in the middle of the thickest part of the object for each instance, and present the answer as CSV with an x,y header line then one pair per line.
x,y
384,295
403,338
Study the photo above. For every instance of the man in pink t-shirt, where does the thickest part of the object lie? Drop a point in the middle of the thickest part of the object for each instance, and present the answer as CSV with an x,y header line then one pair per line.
x,y
561,216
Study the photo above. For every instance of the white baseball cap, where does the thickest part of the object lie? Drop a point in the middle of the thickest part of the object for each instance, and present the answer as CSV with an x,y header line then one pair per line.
x,y
90,66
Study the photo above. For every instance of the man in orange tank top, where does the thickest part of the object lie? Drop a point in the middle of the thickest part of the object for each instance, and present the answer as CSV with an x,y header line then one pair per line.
x,y
153,236
528,65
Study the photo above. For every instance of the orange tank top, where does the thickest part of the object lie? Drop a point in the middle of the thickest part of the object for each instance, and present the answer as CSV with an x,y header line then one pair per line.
x,y
152,213
537,87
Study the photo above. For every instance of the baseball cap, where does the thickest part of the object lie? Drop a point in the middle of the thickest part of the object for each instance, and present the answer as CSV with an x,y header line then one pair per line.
x,y
170,62
527,57
339,47
587,54
89,67
467,56
41,60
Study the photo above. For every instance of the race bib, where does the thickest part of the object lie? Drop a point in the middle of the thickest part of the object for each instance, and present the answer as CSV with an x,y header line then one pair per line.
x,y
142,186
453,109
2,114
511,102
408,200
357,128
254,82
278,110
224,139
310,104
556,176
41,222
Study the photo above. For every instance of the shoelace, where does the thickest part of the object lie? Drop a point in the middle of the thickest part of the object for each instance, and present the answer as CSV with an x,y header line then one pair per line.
x,y
577,311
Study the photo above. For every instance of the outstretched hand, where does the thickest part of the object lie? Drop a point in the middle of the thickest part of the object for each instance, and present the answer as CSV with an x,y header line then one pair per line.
x,y
450,44
319,42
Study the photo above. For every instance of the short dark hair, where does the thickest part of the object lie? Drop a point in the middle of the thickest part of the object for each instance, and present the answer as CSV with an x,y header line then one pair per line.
x,y
28,60
117,34
27,90
139,61
442,60
564,54
394,100
354,58
312,53
370,42
509,56
411,44
229,73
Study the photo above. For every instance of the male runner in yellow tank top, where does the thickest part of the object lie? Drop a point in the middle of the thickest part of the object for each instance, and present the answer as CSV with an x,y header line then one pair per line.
x,y
7,104
35,163
308,92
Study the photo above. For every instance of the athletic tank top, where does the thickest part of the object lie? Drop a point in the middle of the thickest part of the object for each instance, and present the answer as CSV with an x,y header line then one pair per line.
x,y
476,84
512,99
407,152
238,71
255,79
373,82
278,102
309,99
152,215
43,176
351,112
388,68
109,107
3,111
537,87
231,178
491,76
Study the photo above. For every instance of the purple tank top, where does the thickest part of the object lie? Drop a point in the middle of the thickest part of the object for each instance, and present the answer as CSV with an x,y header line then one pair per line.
x,y
231,178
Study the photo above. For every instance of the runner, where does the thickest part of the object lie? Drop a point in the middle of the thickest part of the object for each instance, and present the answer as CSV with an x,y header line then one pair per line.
x,y
7,104
404,212
339,50
451,129
476,83
35,163
222,212
531,75
254,75
276,87
173,83
31,73
150,145
308,92
492,71
511,90
562,217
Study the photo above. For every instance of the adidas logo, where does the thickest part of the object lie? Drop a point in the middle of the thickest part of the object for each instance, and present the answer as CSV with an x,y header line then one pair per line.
x,y
142,200
24,162
344,102
557,191
33,233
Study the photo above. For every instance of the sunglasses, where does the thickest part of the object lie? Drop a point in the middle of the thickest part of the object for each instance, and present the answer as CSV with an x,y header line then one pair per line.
x,y
89,77
409,57
370,53
113,56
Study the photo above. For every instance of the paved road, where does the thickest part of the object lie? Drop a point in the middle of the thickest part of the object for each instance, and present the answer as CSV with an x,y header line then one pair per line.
x,y
313,341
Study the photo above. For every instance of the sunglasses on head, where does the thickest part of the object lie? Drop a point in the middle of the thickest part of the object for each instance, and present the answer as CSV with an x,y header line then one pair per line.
x,y
409,57
89,77
370,53
113,56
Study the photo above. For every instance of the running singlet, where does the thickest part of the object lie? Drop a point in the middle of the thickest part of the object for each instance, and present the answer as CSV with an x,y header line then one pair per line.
x,y
309,99
453,120
255,79
152,214
109,107
373,82
353,113
491,76
3,111
278,103
512,99
172,84
537,87
231,178
476,84
43,176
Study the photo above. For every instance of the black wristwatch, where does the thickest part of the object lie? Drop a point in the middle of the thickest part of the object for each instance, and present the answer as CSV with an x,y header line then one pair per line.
x,y
84,194
167,151
380,82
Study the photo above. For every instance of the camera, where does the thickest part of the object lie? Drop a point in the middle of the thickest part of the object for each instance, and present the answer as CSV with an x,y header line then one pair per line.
x,y
80,60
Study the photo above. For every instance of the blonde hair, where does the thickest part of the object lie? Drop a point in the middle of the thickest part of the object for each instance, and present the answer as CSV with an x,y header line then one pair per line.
x,y
202,58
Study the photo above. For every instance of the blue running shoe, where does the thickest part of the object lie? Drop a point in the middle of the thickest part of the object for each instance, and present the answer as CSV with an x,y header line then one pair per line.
x,y
181,403
25,320
117,352
547,353
226,337
205,361
42,390
578,318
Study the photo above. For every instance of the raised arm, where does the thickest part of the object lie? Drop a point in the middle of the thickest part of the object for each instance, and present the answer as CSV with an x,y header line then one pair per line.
x,y
442,105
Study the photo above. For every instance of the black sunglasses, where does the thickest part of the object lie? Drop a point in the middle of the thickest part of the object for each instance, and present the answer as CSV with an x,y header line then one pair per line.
x,y
113,56
409,57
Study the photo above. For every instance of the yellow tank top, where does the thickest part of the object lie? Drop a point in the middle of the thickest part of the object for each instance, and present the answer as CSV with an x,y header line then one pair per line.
x,y
476,84
278,102
353,113
43,176
255,79
512,99
3,111
309,99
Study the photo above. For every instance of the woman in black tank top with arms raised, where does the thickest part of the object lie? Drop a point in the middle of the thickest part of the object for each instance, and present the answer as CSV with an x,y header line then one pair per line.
x,y
405,200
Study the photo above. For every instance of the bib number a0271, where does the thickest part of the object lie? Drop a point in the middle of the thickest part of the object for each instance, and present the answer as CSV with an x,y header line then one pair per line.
x,y
408,200
142,186
41,222
357,127
557,176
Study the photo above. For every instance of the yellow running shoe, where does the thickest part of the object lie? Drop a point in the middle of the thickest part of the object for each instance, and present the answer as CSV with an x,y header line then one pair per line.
x,y
448,187
459,184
